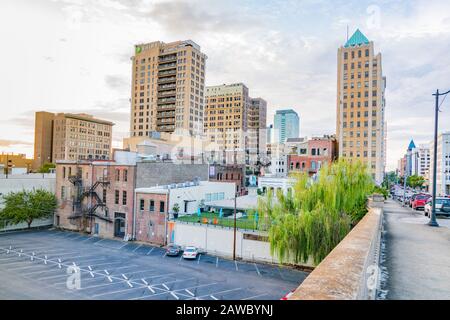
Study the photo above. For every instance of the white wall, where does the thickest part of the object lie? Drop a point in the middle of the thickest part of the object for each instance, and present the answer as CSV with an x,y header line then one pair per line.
x,y
219,241
198,193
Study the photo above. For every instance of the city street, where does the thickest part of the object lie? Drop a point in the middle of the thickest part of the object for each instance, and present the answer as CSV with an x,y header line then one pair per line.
x,y
34,265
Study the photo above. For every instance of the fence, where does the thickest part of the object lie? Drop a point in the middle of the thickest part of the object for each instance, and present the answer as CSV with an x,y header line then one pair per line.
x,y
38,223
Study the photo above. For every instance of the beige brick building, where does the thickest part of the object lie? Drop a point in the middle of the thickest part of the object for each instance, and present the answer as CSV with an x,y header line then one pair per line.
x,y
68,136
256,128
360,118
167,91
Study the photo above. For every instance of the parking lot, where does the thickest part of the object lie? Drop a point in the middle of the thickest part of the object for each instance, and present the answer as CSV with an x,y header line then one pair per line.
x,y
35,264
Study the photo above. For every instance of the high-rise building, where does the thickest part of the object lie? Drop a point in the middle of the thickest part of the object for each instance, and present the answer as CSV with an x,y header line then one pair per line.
x,y
167,91
286,125
443,165
43,139
360,119
421,160
225,123
256,128
67,136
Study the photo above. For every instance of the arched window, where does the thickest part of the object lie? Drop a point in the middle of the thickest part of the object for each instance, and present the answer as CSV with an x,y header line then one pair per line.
x,y
297,165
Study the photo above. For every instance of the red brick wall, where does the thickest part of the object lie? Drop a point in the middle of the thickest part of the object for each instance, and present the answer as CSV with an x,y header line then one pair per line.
x,y
156,233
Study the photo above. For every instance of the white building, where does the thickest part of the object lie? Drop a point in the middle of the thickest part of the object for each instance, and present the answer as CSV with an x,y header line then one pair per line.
x,y
420,160
190,195
274,184
278,166
443,165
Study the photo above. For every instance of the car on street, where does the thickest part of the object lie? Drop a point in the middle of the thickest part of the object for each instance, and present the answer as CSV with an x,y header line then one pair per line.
x,y
190,253
442,206
173,250
419,201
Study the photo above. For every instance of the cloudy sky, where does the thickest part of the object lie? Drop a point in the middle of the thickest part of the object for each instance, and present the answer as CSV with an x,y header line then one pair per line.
x,y
74,55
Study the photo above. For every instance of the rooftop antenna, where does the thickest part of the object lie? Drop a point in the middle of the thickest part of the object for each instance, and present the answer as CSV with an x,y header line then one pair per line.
x,y
347,32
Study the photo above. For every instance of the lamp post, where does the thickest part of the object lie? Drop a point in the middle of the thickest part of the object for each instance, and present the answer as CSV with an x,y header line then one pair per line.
x,y
433,222
234,233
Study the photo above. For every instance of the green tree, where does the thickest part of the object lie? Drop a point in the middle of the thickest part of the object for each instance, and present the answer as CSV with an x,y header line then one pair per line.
x,y
310,221
26,206
46,167
415,181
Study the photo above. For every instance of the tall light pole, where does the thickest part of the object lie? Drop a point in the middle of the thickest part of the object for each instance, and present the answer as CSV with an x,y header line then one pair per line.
x,y
234,234
433,222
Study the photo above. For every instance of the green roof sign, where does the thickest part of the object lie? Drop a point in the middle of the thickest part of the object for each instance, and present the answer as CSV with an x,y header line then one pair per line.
x,y
357,39
138,49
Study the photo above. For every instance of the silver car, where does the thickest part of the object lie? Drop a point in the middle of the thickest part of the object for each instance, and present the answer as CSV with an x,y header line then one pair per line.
x,y
442,206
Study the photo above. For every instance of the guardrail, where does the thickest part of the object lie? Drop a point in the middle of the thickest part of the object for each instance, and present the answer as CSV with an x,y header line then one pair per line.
x,y
351,269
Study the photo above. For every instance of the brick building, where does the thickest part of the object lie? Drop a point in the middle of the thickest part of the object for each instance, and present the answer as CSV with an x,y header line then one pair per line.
x,y
229,173
310,158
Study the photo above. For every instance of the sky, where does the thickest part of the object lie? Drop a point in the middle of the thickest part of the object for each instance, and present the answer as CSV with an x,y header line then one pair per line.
x,y
74,56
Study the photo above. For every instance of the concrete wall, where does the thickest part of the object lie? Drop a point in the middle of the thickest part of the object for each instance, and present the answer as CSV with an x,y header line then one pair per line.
x,y
151,174
218,241
353,264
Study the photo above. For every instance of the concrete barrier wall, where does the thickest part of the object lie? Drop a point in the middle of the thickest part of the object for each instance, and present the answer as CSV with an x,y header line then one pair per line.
x,y
20,226
350,271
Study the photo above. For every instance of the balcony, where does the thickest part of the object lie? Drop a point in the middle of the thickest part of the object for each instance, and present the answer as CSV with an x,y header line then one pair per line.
x,y
167,66
165,114
167,73
167,80
167,94
168,58
165,107
165,128
167,121
166,101
166,87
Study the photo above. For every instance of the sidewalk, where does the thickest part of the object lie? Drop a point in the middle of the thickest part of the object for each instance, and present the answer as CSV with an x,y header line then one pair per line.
x,y
416,257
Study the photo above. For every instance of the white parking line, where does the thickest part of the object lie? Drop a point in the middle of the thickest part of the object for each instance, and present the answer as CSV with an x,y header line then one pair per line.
x,y
257,296
257,270
150,251
213,294
123,246
137,247
235,263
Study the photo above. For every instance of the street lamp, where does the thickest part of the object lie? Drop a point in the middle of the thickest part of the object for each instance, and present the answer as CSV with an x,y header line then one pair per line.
x,y
433,222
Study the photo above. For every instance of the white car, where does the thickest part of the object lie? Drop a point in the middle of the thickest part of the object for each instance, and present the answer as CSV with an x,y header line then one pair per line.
x,y
442,206
190,253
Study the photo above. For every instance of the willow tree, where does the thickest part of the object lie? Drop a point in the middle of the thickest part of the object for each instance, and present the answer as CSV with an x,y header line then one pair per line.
x,y
312,219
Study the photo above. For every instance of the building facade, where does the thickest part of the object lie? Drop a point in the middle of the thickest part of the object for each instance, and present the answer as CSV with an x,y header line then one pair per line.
x,y
226,121
286,125
167,90
229,173
13,163
319,151
421,160
443,165
360,126
68,136
43,139
256,128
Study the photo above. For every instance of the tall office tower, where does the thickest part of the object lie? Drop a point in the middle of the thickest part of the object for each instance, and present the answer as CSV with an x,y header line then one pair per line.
x,y
442,165
360,119
286,125
256,129
421,160
167,91
43,139
226,121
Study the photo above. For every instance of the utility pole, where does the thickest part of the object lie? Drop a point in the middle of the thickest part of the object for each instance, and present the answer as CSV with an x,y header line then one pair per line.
x,y
433,222
234,235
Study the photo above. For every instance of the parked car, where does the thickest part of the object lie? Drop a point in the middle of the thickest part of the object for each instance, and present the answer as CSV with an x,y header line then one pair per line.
x,y
419,201
173,250
442,206
190,253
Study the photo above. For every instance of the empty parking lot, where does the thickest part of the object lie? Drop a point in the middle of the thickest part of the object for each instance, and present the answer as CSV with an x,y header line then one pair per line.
x,y
38,264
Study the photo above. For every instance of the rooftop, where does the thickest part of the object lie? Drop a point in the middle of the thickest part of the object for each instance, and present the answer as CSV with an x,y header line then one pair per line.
x,y
357,39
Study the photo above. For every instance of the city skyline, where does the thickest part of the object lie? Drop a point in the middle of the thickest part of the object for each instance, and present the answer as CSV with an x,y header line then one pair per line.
x,y
96,66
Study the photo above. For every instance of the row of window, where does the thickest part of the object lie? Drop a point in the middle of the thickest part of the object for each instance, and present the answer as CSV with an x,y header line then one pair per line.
x,y
151,206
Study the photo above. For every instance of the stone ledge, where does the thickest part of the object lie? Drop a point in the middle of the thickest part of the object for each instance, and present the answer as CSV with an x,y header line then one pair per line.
x,y
342,274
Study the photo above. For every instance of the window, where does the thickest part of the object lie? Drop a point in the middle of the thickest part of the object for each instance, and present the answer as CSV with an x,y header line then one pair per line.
x,y
63,192
124,198
142,204
116,198
104,196
125,175
152,206
161,206
64,172
117,175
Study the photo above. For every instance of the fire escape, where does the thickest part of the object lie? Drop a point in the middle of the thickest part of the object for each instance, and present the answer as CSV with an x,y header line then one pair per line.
x,y
89,211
